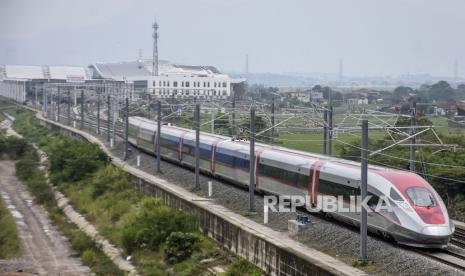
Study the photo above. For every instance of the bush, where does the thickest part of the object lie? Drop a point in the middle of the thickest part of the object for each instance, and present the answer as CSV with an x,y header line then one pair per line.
x,y
153,223
9,241
88,257
43,193
179,246
243,267
26,168
14,147
74,160
110,179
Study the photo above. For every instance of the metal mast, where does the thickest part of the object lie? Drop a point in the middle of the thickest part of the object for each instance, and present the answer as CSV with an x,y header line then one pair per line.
x,y
155,49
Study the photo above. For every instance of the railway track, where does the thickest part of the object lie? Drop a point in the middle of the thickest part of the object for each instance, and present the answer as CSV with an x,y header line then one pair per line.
x,y
459,235
445,256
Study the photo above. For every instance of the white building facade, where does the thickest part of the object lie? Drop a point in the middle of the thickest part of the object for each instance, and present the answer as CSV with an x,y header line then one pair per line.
x,y
209,87
174,80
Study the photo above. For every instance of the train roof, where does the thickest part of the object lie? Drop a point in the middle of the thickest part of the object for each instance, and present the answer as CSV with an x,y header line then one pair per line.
x,y
384,171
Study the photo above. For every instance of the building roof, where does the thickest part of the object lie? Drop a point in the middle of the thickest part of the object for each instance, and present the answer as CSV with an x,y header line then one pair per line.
x,y
68,73
141,68
29,72
23,72
119,70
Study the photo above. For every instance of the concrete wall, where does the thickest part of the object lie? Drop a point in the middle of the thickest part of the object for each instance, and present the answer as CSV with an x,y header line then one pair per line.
x,y
15,90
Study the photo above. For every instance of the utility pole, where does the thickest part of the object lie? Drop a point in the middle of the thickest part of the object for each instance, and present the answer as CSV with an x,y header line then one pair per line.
x,y
213,122
58,104
325,132
82,109
272,121
44,97
233,127
126,129
330,131
413,123
36,96
69,106
252,161
158,136
363,189
108,117
98,110
197,145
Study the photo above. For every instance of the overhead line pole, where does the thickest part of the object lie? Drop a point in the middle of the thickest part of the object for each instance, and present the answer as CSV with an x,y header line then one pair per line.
x,y
329,134
325,132
252,162
197,145
108,118
69,106
329,130
82,108
126,129
363,189
233,127
58,104
272,121
98,110
158,136
413,122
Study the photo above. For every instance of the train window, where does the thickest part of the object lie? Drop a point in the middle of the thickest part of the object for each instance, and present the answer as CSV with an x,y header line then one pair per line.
x,y
330,188
395,196
421,197
374,199
284,176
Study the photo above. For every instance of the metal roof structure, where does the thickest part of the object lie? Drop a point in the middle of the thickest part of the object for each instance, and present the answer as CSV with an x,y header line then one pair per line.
x,y
140,68
30,72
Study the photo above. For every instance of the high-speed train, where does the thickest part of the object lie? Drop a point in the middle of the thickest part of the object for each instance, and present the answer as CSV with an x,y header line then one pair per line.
x,y
419,217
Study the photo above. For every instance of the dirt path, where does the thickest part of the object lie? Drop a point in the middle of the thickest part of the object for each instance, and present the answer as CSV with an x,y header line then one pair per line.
x,y
45,251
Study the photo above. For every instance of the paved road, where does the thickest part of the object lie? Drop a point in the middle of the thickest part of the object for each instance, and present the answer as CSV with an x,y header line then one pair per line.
x,y
45,251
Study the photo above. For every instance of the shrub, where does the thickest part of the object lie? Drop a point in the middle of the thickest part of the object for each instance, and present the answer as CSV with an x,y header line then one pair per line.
x,y
110,179
9,241
242,267
26,168
88,257
43,193
74,160
179,246
153,223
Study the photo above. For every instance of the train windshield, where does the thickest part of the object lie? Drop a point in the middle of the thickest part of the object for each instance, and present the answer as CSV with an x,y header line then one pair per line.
x,y
421,197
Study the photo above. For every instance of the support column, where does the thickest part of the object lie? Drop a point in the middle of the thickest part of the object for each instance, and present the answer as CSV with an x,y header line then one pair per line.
x,y
108,118
158,136
325,132
197,145
272,121
413,123
363,189
126,129
69,106
82,109
330,131
98,111
252,161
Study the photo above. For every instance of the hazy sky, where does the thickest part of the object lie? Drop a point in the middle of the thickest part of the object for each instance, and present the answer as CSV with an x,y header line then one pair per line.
x,y
372,36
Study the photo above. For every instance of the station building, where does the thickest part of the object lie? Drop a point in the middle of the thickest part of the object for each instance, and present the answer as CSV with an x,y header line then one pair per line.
x,y
172,81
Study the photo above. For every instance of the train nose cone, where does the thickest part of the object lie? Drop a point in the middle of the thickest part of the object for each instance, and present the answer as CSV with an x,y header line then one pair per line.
x,y
437,230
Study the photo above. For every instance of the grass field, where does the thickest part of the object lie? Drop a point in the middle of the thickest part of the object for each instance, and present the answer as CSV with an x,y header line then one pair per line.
x,y
314,142
10,244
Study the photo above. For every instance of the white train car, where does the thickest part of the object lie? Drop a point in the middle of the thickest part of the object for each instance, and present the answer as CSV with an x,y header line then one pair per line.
x,y
419,216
